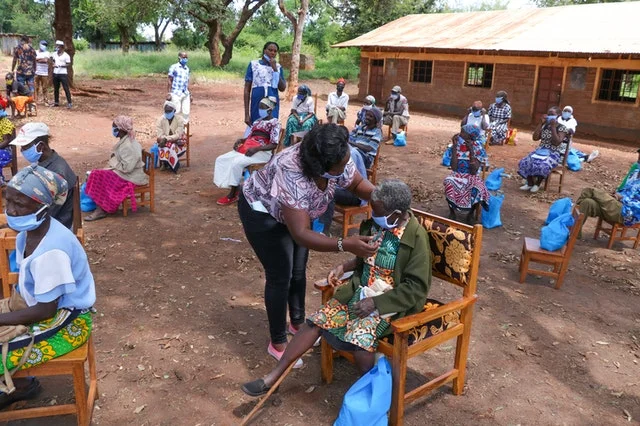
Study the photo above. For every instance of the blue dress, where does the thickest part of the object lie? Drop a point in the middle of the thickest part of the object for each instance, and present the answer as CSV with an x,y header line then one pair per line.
x,y
263,84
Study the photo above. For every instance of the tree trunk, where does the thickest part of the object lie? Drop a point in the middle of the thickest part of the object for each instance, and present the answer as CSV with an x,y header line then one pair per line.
x,y
214,43
124,37
156,35
63,27
298,29
249,9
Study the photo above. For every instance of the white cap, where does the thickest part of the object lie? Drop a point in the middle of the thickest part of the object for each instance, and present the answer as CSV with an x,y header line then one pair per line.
x,y
568,108
29,132
59,43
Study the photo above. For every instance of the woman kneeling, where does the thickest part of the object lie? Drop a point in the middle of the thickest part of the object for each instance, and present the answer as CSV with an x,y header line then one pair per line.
x,y
390,284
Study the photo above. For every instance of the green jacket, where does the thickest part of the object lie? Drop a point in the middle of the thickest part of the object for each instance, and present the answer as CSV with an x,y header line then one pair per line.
x,y
412,274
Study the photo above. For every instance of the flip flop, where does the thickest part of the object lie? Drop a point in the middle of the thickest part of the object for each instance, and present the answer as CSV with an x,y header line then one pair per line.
x,y
30,392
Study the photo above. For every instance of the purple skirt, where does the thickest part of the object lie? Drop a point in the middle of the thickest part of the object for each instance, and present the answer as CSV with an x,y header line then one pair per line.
x,y
530,166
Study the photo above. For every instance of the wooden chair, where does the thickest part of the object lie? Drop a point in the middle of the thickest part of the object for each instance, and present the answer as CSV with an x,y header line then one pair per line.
x,y
141,191
490,136
404,127
618,232
531,252
560,170
77,213
187,154
72,364
438,323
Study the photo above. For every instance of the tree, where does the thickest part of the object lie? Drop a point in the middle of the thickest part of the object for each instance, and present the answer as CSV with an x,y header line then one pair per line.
x,y
161,17
63,26
298,27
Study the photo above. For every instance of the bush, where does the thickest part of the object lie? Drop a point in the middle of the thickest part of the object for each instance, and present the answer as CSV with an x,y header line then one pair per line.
x,y
80,44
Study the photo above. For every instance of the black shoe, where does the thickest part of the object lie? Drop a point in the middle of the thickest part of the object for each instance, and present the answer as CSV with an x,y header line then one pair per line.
x,y
255,388
30,392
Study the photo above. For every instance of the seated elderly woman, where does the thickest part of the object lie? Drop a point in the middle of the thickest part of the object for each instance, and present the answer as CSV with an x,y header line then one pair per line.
x,y
302,117
255,149
553,138
477,116
7,134
55,288
111,186
388,285
171,137
463,188
369,102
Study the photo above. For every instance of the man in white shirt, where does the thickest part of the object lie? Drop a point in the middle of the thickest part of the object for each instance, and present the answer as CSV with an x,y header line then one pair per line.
x,y
337,104
43,58
61,61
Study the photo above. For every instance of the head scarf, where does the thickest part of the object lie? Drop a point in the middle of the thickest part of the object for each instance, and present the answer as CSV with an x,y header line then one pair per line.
x,y
305,89
472,130
371,99
169,103
377,114
41,185
341,80
125,123
269,101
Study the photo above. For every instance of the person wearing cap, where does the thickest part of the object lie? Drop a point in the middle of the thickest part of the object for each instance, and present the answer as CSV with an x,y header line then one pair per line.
x,y
178,85
621,207
24,63
43,61
171,138
55,289
256,148
337,104
109,187
34,142
396,111
61,63
18,95
369,102
7,134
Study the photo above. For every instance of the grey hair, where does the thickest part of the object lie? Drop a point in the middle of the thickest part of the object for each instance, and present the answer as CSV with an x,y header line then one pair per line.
x,y
394,194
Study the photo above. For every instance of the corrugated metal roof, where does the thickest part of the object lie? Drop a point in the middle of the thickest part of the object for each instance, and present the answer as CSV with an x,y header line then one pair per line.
x,y
590,28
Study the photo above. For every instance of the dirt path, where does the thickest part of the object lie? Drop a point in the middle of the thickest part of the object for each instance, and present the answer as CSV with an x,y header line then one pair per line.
x,y
181,320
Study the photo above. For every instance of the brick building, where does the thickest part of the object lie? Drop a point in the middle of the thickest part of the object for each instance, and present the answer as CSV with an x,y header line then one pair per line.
x,y
585,56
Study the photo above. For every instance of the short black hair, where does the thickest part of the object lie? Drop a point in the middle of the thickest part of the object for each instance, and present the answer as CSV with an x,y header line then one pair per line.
x,y
25,38
267,45
322,148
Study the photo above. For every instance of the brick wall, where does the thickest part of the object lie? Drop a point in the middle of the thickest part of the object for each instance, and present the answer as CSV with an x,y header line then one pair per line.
x,y
363,78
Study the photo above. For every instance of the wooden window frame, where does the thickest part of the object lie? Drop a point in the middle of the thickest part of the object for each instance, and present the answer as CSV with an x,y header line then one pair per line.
x,y
428,67
616,78
476,65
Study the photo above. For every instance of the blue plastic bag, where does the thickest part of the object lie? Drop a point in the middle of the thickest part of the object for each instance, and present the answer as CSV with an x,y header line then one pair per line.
x,y
573,161
156,153
86,203
369,399
13,263
494,180
446,157
556,234
401,139
559,207
491,217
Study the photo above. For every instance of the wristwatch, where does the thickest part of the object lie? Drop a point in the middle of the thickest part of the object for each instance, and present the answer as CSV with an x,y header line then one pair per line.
x,y
340,247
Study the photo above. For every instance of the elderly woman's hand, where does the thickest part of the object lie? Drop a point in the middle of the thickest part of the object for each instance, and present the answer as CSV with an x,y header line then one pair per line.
x,y
237,144
361,246
364,307
334,276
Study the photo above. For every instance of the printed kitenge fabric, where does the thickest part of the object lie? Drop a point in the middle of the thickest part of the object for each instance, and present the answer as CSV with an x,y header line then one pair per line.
x,y
464,190
536,164
109,190
170,153
631,203
340,320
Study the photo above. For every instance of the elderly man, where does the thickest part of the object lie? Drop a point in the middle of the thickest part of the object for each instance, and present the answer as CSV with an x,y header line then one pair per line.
x,y
178,86
396,111
337,104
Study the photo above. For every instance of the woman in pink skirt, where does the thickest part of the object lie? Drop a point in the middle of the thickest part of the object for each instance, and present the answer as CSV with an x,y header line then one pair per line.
x,y
109,187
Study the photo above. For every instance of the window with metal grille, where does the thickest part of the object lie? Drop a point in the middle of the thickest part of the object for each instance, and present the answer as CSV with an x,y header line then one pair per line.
x,y
619,85
421,71
479,75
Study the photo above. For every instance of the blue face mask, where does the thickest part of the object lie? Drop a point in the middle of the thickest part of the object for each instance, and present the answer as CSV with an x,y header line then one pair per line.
x,y
383,221
32,155
169,115
301,97
267,58
183,61
115,132
263,113
551,117
43,48
566,115
499,100
27,222
477,113
330,176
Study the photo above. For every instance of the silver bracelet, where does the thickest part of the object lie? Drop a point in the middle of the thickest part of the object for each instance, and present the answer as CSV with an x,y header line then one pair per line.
x,y
340,247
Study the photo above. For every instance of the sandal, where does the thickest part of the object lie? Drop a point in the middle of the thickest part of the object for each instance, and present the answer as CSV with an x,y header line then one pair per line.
x,y
30,392
255,388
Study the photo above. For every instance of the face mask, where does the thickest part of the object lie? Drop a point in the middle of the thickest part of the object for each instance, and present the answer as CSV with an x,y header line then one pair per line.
x,y
32,155
3,113
183,61
551,117
169,115
301,97
395,96
477,113
115,132
382,221
263,113
499,100
566,115
43,48
330,176
27,222
366,107
267,58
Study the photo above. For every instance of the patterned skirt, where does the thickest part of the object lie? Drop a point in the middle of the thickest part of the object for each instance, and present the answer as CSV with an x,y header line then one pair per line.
x,y
171,152
464,190
294,126
339,320
532,166
109,190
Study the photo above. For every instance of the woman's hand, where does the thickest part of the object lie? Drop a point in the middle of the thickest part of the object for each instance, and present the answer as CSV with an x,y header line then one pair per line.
x,y
360,245
333,279
274,64
237,144
251,151
364,307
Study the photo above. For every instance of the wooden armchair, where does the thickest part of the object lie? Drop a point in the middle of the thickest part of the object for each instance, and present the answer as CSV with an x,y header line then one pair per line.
x,y
618,232
531,252
560,170
72,364
455,259
141,191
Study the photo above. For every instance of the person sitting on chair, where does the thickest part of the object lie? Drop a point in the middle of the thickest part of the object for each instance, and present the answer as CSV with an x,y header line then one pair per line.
x,y
621,207
554,138
499,117
369,102
55,289
337,104
254,149
463,188
171,137
396,111
478,117
7,134
302,117
390,284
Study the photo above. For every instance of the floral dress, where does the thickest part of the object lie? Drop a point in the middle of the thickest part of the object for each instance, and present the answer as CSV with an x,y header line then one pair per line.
x,y
547,156
462,189
340,320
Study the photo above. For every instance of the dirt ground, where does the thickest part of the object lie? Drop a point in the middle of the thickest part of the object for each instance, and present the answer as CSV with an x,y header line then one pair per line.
x,y
181,321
